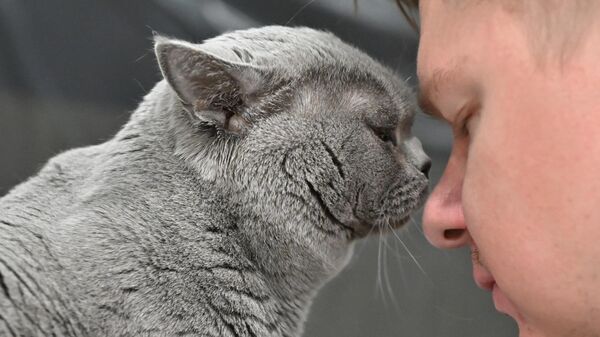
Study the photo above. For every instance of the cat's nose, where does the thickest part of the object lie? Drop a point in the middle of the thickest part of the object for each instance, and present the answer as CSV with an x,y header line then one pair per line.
x,y
418,158
425,166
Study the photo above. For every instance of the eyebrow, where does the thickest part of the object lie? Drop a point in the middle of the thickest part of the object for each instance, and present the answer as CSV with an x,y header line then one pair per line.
x,y
439,77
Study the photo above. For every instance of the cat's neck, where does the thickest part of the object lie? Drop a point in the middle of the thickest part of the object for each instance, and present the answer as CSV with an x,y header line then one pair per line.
x,y
294,273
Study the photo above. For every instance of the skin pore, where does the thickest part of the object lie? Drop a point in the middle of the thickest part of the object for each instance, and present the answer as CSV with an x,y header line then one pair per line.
x,y
521,187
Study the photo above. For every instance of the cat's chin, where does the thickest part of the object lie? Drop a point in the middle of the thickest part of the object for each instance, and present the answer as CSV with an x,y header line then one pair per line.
x,y
399,222
364,229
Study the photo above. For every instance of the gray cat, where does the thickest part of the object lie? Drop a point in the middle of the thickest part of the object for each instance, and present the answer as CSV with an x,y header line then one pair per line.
x,y
235,191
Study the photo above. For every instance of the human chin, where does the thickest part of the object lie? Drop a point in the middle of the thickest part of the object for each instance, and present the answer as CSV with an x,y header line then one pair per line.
x,y
503,304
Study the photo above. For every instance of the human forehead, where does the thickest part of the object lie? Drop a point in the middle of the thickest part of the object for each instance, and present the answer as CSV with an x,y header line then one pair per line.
x,y
444,54
460,47
554,29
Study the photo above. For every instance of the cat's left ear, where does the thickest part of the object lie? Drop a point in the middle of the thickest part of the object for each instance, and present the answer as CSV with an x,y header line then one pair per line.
x,y
214,89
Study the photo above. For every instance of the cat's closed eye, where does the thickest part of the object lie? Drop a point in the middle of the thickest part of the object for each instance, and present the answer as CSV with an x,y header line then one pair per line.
x,y
385,134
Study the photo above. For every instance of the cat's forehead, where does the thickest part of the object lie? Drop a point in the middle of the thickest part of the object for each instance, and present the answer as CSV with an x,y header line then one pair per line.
x,y
364,98
287,49
329,74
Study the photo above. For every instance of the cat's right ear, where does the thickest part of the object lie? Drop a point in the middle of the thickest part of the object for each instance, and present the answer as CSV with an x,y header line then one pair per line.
x,y
212,88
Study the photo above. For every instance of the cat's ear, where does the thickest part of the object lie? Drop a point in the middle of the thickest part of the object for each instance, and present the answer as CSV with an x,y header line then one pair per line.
x,y
214,89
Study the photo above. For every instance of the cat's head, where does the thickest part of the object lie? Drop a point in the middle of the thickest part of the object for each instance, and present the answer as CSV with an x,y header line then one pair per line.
x,y
302,125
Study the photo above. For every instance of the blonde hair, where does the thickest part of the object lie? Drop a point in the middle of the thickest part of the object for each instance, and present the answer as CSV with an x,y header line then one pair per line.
x,y
555,28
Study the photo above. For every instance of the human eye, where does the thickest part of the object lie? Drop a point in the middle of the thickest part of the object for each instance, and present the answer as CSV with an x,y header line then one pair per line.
x,y
463,124
463,128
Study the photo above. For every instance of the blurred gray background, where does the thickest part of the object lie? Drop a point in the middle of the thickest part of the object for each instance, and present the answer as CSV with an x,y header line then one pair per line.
x,y
71,71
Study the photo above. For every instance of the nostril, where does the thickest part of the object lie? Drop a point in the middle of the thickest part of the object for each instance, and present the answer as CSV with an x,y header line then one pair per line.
x,y
425,167
453,234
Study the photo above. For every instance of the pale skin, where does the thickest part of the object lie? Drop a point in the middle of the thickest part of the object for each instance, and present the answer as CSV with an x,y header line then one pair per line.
x,y
522,185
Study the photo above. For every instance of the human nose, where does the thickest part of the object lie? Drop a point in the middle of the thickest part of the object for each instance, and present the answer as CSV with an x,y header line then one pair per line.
x,y
443,218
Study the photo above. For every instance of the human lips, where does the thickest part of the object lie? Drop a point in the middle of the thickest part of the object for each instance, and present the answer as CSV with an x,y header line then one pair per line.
x,y
485,280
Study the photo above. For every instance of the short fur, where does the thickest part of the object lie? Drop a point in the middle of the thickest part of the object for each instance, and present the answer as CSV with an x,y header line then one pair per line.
x,y
231,196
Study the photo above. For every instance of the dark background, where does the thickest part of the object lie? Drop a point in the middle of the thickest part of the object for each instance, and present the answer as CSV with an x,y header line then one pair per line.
x,y
71,71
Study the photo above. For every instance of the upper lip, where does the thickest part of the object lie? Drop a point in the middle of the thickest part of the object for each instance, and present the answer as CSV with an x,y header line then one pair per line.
x,y
483,278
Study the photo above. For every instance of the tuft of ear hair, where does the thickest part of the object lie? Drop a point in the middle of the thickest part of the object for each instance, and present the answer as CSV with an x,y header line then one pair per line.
x,y
212,88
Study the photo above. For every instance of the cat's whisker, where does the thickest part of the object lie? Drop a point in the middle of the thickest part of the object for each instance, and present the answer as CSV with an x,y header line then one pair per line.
x,y
386,274
378,284
398,256
400,265
363,244
300,10
417,225
413,232
139,84
420,229
410,254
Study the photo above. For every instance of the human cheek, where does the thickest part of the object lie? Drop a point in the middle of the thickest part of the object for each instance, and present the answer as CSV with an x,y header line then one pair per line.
x,y
483,196
494,211
486,201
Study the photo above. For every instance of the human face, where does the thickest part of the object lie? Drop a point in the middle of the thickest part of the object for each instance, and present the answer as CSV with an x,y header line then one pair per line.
x,y
521,186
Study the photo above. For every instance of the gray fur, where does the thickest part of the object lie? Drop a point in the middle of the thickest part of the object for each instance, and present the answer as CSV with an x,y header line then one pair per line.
x,y
235,191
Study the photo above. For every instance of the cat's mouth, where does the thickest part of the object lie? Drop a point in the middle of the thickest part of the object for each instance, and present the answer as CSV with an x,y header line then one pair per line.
x,y
355,226
362,229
